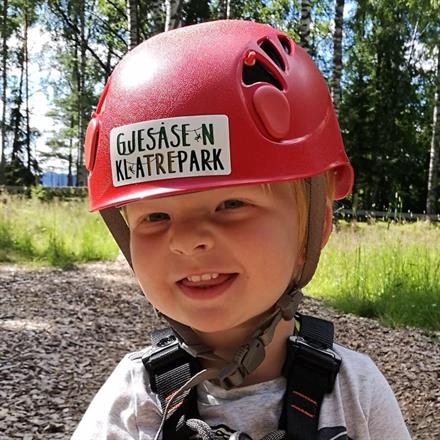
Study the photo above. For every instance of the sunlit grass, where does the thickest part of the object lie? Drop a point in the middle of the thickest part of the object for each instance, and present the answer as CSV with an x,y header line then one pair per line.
x,y
58,233
385,271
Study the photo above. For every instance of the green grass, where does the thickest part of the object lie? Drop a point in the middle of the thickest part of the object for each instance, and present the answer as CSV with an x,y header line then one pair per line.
x,y
58,233
385,271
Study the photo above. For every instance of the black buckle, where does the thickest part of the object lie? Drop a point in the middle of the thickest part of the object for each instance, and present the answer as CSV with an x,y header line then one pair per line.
x,y
317,358
167,354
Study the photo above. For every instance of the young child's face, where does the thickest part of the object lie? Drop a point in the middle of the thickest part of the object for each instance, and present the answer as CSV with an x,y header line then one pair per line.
x,y
215,259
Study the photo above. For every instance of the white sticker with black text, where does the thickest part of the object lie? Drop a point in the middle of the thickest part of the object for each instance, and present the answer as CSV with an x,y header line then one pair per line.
x,y
186,146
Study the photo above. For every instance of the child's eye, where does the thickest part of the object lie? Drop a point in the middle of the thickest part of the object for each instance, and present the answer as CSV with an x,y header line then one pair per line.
x,y
157,217
231,204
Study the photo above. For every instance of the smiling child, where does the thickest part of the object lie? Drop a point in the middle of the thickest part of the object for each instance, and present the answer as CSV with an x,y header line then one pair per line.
x,y
215,157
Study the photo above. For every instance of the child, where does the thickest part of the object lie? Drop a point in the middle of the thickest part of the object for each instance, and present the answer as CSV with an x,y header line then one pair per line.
x,y
214,157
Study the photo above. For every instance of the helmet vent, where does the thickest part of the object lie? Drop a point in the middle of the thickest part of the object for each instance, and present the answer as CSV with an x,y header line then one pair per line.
x,y
259,73
273,53
285,43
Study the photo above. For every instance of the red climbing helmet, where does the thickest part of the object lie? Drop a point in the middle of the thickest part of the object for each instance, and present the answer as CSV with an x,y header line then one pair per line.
x,y
212,105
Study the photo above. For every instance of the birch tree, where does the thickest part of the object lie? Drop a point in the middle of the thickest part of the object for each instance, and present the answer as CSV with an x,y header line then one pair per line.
x,y
17,116
173,17
157,16
81,173
224,9
305,24
337,54
4,88
133,23
26,86
435,145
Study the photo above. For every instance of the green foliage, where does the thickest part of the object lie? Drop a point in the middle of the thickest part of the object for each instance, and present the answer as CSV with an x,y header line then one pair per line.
x,y
196,11
18,173
44,193
387,106
47,193
58,233
278,13
108,26
386,271
39,192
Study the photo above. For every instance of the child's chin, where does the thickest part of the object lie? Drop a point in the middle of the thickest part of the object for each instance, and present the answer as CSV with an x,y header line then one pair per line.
x,y
218,327
208,326
213,320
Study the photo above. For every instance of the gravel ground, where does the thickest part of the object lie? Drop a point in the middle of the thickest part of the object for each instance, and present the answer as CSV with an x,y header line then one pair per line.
x,y
62,332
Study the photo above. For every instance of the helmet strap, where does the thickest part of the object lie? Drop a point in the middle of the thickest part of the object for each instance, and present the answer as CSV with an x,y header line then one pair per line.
x,y
316,195
119,229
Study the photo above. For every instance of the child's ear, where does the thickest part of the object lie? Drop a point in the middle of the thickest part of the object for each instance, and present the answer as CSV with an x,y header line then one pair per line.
x,y
328,223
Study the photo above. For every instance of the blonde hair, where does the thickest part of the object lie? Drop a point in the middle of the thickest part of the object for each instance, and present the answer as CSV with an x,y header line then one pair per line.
x,y
298,188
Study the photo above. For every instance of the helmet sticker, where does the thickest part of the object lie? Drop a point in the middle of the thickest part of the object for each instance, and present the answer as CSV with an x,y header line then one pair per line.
x,y
186,146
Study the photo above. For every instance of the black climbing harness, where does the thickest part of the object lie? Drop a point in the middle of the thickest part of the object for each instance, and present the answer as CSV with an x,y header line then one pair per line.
x,y
310,369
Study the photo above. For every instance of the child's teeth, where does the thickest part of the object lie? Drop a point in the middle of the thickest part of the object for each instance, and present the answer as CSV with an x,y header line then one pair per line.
x,y
203,277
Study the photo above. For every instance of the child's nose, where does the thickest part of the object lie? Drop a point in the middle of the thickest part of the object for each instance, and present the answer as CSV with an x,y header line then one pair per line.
x,y
190,237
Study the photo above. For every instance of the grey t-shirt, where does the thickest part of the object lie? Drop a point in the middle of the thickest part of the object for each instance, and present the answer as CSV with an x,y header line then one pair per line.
x,y
362,405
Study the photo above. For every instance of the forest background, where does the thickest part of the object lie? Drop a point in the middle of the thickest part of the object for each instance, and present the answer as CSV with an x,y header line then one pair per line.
x,y
380,57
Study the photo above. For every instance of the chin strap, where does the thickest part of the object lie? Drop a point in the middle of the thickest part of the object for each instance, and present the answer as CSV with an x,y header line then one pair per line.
x,y
251,354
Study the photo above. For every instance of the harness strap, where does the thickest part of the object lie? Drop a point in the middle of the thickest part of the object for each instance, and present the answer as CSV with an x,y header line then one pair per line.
x,y
310,369
169,366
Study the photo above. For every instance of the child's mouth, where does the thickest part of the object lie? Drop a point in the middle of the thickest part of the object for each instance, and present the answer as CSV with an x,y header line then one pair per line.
x,y
207,285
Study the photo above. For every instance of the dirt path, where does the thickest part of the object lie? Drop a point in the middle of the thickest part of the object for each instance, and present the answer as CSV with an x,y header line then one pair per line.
x,y
61,334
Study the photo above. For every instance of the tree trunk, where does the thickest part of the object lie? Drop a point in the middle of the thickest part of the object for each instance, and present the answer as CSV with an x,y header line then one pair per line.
x,y
305,24
108,62
26,87
133,23
337,54
435,146
224,9
173,18
70,157
81,171
16,115
5,86
76,74
156,16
